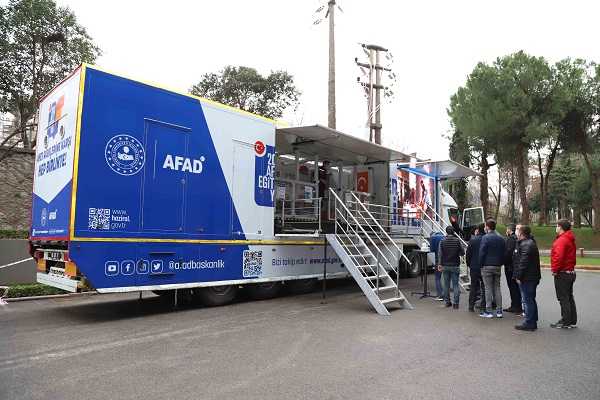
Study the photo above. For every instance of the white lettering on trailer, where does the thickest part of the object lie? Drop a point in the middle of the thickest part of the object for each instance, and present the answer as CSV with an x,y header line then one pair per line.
x,y
267,181
178,163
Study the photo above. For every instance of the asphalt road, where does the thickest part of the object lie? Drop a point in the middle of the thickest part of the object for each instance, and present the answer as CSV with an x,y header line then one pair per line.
x,y
294,347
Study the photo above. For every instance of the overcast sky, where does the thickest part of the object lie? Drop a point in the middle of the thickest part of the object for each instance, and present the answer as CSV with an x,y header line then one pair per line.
x,y
435,45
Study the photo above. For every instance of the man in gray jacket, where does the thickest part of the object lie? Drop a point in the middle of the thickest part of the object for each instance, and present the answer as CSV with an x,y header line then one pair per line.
x,y
491,256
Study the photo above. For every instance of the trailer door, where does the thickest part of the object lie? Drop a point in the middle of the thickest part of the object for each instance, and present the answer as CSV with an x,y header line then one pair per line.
x,y
165,177
251,216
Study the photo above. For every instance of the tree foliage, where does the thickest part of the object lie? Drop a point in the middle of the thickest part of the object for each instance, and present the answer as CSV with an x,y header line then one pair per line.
x,y
503,108
40,43
244,88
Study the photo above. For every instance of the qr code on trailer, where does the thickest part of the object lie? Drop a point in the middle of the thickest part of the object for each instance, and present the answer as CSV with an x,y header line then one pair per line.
x,y
252,263
99,218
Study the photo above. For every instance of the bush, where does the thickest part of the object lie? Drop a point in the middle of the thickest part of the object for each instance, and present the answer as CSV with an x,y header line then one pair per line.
x,y
14,234
36,289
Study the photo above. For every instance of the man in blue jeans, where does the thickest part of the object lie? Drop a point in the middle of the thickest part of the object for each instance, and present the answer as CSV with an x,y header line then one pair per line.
x,y
434,245
527,272
491,256
449,263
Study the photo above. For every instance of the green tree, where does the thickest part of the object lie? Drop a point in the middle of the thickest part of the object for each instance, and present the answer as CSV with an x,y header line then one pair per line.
x,y
244,88
40,43
507,106
469,113
581,127
459,151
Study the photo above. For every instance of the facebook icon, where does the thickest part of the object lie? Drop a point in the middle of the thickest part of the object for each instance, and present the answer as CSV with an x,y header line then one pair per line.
x,y
127,267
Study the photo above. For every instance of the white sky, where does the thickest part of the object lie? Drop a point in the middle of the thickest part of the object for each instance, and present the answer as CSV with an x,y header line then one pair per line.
x,y
435,44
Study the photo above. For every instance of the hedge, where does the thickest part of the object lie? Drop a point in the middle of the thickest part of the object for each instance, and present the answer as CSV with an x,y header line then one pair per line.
x,y
14,234
36,289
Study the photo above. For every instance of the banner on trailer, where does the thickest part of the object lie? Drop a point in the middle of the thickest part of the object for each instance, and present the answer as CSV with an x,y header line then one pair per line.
x,y
54,160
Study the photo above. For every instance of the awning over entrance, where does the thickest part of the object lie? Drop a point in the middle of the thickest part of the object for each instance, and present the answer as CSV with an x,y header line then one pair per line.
x,y
332,145
447,169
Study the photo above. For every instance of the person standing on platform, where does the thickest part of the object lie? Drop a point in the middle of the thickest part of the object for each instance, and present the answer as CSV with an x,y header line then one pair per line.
x,y
475,268
562,262
491,254
449,264
527,274
513,287
434,245
323,186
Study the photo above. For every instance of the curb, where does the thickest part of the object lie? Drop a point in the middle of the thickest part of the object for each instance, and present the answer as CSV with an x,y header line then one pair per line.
x,y
51,296
578,267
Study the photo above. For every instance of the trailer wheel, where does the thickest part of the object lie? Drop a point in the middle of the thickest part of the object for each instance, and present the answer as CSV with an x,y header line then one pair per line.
x,y
216,296
414,268
263,291
303,286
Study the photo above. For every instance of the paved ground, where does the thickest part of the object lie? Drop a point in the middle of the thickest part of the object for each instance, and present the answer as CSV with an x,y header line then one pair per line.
x,y
294,347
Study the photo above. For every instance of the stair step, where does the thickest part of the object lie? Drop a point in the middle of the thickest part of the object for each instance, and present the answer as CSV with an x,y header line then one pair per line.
x,y
391,300
361,255
375,277
366,266
385,288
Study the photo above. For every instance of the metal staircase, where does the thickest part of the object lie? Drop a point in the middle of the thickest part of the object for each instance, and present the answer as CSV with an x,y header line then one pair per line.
x,y
367,254
464,280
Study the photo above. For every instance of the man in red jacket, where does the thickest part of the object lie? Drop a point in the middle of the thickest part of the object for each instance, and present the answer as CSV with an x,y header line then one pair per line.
x,y
562,258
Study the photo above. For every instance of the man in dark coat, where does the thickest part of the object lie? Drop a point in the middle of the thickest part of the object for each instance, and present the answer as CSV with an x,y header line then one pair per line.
x,y
527,273
513,287
475,268
449,254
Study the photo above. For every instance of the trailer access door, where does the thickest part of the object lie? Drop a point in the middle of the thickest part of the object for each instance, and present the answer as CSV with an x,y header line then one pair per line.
x,y
165,177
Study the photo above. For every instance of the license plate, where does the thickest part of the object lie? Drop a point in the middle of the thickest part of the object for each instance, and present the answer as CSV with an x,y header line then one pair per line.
x,y
53,255
57,272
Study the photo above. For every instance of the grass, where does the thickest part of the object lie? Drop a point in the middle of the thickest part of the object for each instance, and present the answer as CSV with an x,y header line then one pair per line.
x,y
580,261
546,235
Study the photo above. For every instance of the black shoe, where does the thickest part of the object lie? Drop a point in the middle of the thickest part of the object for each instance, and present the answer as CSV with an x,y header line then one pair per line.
x,y
560,325
456,306
471,309
524,328
448,304
510,309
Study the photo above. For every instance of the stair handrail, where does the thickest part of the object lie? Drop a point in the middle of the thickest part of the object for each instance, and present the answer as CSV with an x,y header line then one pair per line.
x,y
345,233
463,258
338,200
380,227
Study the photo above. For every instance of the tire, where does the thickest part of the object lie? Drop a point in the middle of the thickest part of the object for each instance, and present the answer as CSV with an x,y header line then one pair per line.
x,y
303,286
415,268
216,296
263,291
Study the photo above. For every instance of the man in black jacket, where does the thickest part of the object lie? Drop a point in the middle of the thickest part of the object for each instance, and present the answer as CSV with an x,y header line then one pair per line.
x,y
527,273
475,268
513,287
449,263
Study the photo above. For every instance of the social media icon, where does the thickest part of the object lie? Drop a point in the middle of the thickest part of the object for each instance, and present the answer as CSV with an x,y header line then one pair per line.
x,y
156,266
111,268
127,267
143,267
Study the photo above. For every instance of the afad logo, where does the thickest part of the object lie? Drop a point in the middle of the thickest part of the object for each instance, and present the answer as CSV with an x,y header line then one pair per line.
x,y
124,155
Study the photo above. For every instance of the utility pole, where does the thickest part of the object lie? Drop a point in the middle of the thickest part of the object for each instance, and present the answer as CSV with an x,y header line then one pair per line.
x,y
373,67
331,85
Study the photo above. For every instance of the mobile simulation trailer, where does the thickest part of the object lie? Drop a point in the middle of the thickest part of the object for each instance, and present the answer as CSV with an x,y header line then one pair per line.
x,y
139,188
